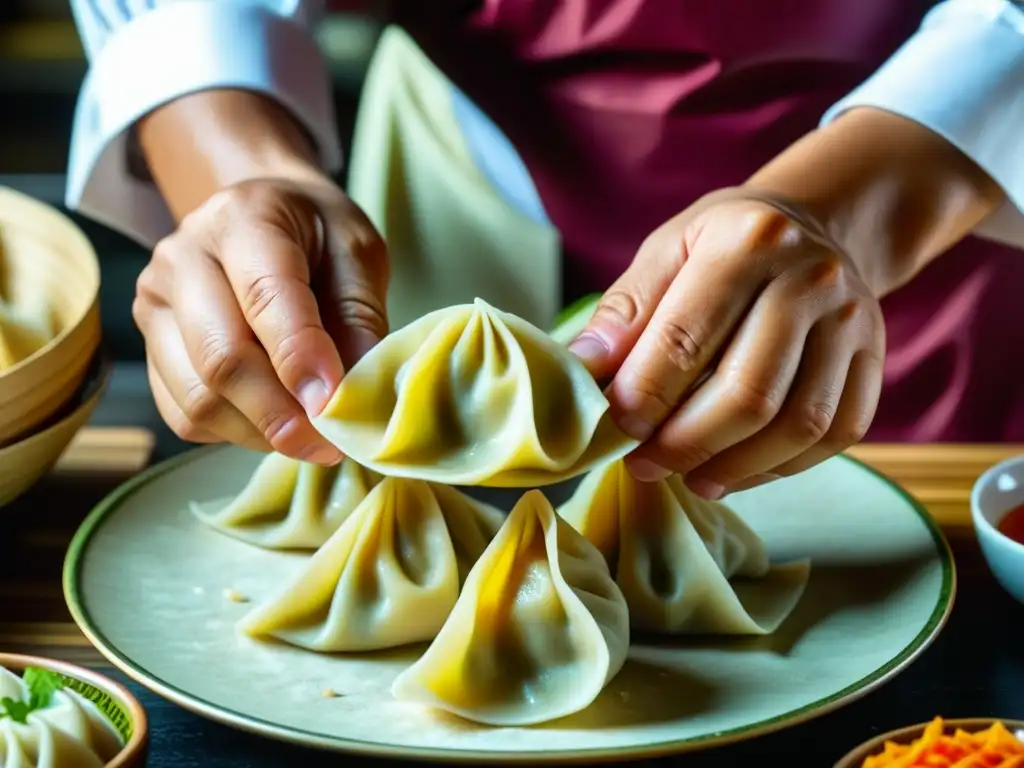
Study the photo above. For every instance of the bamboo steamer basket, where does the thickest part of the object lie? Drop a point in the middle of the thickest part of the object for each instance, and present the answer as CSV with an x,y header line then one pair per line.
x,y
24,462
48,272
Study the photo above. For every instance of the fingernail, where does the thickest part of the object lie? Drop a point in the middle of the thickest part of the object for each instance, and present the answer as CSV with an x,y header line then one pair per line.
x,y
326,455
313,394
646,471
589,349
706,489
635,427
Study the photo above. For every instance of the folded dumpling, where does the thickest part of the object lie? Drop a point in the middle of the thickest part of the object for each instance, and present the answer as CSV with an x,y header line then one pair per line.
x,y
37,743
290,504
68,733
17,339
469,395
539,629
389,576
673,555
8,354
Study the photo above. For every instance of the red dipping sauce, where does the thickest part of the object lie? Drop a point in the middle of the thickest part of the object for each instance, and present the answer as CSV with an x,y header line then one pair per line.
x,y
1012,525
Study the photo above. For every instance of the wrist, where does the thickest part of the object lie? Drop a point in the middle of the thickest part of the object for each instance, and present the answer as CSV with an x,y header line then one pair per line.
x,y
890,193
204,142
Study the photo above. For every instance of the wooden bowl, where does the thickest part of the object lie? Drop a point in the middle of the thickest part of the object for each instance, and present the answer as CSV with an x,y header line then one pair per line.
x,y
48,271
856,757
24,462
114,701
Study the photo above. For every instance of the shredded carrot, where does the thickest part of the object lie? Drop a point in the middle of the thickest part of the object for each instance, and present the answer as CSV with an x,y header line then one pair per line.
x,y
994,747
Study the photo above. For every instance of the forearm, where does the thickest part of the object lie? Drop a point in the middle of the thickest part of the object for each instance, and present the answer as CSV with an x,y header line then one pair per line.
x,y
206,141
136,69
890,192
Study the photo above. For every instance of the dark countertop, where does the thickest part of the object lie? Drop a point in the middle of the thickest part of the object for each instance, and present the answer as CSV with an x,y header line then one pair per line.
x,y
975,667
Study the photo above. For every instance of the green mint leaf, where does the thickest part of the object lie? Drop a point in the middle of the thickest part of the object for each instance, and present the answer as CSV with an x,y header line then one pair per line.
x,y
42,684
16,710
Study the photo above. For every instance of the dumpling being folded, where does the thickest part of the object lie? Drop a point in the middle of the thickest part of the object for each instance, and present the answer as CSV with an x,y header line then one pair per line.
x,y
673,555
290,504
68,733
469,395
538,632
389,576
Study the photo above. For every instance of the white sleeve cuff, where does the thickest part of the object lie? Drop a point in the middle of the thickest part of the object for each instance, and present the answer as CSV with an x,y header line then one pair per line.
x,y
174,50
962,76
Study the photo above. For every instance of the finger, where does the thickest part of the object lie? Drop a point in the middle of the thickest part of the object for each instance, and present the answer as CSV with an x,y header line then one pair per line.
x,y
627,306
805,417
190,407
150,302
856,410
172,414
743,395
268,276
695,318
351,284
232,367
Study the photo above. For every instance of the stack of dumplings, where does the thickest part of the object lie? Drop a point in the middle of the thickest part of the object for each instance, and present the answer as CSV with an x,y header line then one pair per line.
x,y
528,616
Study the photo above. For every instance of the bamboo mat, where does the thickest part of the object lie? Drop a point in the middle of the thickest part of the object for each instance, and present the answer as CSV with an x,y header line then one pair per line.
x,y
107,451
940,476
35,531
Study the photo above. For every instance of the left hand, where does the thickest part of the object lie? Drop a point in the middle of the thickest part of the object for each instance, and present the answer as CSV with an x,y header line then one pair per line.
x,y
797,335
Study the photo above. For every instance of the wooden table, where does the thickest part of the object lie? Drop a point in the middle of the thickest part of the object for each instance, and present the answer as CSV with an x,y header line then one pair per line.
x,y
975,668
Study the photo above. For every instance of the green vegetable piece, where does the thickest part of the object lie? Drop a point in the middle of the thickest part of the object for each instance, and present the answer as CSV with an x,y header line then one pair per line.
x,y
16,710
41,684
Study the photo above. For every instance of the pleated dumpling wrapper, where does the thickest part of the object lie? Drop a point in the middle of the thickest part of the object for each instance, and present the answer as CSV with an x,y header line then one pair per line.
x,y
290,504
389,576
675,555
470,395
69,732
538,632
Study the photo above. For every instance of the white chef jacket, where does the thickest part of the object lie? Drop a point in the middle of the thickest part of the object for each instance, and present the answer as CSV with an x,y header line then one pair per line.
x,y
961,75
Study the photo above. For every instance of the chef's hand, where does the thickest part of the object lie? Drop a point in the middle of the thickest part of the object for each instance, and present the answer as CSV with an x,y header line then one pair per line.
x,y
792,334
252,307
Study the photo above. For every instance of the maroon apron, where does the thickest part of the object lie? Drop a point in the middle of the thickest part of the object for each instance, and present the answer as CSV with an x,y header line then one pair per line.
x,y
626,111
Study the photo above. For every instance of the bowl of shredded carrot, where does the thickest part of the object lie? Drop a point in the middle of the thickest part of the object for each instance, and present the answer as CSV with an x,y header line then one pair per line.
x,y
972,743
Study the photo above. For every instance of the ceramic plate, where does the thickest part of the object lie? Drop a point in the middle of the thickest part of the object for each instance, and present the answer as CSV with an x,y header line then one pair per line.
x,y
147,583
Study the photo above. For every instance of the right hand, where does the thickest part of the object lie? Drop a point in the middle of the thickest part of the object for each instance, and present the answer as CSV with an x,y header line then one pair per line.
x,y
252,309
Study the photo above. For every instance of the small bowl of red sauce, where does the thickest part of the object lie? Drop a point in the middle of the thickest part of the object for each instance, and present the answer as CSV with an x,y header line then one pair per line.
x,y
997,509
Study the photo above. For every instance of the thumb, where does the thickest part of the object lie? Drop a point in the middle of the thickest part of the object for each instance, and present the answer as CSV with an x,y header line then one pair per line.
x,y
627,307
351,282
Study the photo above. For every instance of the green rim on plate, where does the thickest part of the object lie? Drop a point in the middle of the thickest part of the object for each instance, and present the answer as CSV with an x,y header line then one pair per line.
x,y
205,708
573,319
